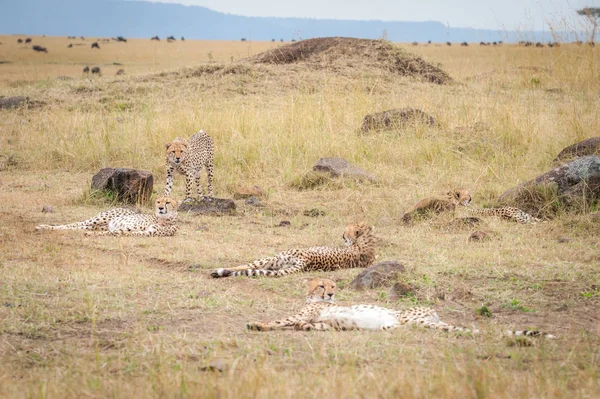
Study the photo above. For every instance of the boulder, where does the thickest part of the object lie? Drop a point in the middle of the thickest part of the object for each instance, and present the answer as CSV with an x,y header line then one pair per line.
x,y
13,102
587,147
339,167
394,118
247,192
47,209
208,206
377,275
572,186
479,236
128,185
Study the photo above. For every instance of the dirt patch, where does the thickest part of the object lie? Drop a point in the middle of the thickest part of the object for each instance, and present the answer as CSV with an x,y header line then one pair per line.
x,y
330,52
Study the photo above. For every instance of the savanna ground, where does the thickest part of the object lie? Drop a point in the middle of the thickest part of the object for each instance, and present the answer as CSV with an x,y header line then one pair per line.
x,y
123,317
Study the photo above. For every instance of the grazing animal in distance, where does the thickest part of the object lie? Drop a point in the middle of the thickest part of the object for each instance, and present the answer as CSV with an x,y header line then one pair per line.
x,y
96,45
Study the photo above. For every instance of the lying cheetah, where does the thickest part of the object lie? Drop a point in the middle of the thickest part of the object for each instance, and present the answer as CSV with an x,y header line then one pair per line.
x,y
189,159
321,314
128,222
446,202
359,252
459,197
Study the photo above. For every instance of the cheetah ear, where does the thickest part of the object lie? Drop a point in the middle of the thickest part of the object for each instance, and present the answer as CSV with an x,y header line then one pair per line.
x,y
167,146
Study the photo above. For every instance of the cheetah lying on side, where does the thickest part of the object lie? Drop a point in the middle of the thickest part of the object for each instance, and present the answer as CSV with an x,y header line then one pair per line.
x,y
189,159
128,222
459,197
321,314
359,252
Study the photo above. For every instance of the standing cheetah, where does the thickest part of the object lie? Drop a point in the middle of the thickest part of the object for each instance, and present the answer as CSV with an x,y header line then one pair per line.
x,y
321,314
128,222
359,252
188,158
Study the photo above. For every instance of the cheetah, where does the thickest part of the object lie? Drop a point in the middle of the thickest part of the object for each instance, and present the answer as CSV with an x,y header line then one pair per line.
x,y
188,158
320,313
446,202
460,197
359,252
128,222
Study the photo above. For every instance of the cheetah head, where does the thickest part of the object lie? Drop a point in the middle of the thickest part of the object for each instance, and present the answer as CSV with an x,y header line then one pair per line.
x,y
320,290
461,196
354,231
165,207
176,151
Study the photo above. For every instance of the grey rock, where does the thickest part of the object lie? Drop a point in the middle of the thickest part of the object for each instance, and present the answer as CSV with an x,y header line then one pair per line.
x,y
208,206
394,118
129,185
47,209
253,201
590,146
575,184
13,102
478,236
339,167
377,275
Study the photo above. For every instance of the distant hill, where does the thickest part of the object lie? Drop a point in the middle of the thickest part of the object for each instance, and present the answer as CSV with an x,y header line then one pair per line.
x,y
108,18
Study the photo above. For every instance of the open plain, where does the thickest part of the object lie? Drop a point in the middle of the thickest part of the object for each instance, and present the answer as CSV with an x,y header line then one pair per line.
x,y
124,317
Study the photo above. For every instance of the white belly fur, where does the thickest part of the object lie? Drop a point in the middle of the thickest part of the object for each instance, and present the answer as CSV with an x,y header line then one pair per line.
x,y
359,316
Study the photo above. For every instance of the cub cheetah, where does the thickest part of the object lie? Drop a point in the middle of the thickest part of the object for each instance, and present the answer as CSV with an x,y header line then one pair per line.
x,y
459,197
189,159
446,202
321,314
127,222
359,252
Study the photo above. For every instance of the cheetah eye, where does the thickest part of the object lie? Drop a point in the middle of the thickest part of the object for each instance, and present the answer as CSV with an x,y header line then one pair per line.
x,y
321,286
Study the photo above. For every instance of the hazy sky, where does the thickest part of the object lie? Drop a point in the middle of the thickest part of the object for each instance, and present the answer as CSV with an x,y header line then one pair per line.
x,y
490,14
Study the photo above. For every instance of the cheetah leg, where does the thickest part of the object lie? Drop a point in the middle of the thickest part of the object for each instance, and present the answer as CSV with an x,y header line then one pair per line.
x,y
98,222
169,182
313,327
284,324
198,181
268,267
209,173
189,180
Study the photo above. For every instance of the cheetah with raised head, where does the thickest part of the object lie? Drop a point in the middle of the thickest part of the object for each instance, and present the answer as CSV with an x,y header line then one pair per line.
x,y
128,222
189,158
359,252
320,313
460,197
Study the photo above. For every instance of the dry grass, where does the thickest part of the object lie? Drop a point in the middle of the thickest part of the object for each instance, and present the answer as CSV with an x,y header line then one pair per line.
x,y
83,316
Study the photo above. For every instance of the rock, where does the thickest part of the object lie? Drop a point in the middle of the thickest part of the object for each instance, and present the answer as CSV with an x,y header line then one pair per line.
x,y
478,236
247,192
284,223
394,118
120,72
377,275
399,290
129,185
572,186
587,147
47,209
339,167
313,213
253,201
208,206
13,102
217,364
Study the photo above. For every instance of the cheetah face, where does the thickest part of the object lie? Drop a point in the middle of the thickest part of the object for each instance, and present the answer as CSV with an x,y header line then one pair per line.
x,y
320,290
461,196
176,151
353,231
165,207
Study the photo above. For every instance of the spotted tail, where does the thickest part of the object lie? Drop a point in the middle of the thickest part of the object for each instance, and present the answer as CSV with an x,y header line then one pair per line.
x,y
529,333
